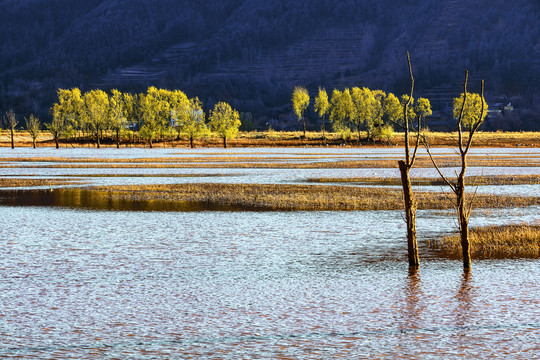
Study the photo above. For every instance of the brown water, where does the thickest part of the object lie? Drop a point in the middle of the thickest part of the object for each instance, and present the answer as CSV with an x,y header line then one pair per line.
x,y
250,285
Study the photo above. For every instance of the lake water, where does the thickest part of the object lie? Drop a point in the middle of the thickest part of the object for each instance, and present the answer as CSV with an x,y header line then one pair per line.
x,y
87,283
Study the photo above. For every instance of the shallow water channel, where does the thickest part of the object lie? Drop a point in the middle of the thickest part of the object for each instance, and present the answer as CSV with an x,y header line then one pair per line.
x,y
95,281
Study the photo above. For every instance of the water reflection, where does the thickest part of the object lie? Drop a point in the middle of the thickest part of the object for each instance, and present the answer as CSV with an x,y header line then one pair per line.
x,y
77,198
464,299
412,301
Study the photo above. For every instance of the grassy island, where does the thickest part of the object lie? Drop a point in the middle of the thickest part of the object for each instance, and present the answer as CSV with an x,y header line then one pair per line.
x,y
510,241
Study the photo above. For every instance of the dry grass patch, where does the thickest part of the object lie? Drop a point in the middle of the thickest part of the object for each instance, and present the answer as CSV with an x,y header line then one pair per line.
x,y
273,138
25,182
260,163
300,197
473,180
512,241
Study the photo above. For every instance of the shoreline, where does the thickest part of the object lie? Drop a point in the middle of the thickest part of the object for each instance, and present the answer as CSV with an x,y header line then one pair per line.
x,y
274,139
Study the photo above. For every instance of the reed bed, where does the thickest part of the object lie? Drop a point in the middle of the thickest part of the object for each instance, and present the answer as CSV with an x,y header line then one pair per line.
x,y
253,162
272,138
299,197
140,175
511,241
473,180
29,182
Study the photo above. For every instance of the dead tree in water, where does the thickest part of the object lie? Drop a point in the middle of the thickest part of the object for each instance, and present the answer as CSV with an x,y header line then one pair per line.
x,y
404,168
470,119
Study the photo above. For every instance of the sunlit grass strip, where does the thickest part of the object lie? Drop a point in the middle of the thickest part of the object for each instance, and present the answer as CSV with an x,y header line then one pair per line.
x,y
134,175
300,197
512,241
273,138
422,162
26,182
473,180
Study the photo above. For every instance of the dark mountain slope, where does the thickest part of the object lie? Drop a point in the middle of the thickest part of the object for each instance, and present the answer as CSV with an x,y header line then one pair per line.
x,y
253,52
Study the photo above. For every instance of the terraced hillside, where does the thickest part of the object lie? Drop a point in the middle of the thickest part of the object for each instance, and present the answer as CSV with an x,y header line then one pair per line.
x,y
252,53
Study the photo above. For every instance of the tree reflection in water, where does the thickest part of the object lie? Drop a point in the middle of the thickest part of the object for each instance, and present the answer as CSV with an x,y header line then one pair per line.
x,y
413,299
464,299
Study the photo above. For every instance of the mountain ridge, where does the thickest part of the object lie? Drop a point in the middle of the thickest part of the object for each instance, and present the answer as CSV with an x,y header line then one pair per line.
x,y
252,53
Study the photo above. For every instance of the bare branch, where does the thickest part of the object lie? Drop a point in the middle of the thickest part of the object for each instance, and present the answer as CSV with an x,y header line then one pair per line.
x,y
397,124
479,122
452,186
417,143
406,114
460,118
473,199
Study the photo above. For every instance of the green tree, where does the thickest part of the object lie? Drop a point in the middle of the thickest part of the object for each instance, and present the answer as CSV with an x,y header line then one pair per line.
x,y
407,102
130,106
66,113
322,107
171,102
368,109
300,102
384,132
191,122
178,108
422,109
392,109
377,120
33,126
341,112
10,121
96,112
472,106
117,120
153,107
225,121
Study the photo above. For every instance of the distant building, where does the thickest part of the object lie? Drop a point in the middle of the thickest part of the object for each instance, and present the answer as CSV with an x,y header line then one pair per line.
x,y
508,109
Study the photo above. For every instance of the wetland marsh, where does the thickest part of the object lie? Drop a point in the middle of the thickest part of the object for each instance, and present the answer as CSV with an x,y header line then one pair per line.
x,y
133,276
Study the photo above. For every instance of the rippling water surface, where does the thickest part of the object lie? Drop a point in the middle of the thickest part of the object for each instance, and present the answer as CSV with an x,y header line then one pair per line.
x,y
251,285
78,283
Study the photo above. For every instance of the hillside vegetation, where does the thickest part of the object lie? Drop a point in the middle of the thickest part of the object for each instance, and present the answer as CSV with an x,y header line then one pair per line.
x,y
252,53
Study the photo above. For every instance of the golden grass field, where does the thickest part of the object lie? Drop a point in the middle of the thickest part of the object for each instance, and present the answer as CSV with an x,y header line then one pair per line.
x,y
512,241
474,180
239,162
300,197
289,138
22,182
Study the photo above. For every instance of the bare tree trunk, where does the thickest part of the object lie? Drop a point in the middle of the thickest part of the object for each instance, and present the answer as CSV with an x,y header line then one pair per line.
x,y
34,142
224,142
304,123
323,130
56,141
408,195
463,215
463,209
191,142
410,214
12,142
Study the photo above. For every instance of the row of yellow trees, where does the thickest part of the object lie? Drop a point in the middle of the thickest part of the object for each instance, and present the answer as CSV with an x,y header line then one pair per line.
x,y
158,113
359,109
